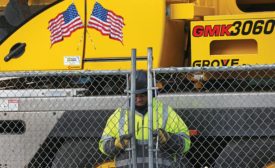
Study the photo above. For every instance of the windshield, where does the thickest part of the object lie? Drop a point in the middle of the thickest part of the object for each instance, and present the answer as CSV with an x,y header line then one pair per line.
x,y
14,13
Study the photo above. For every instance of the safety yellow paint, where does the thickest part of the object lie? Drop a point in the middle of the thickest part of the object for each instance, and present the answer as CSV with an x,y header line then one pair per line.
x,y
144,27
241,16
189,11
256,36
39,54
174,42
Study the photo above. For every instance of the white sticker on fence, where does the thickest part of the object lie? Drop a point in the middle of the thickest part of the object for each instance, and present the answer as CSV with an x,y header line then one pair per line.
x,y
9,104
71,60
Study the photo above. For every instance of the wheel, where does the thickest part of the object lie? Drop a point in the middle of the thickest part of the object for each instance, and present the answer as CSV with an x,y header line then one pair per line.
x,y
247,153
77,154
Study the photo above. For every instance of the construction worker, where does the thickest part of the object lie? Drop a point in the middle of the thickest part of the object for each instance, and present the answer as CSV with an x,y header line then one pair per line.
x,y
170,133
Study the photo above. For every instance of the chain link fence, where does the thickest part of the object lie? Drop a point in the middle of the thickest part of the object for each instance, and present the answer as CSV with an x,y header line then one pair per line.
x,y
56,119
231,107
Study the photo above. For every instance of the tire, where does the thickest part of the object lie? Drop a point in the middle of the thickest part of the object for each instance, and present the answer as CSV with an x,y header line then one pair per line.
x,y
77,154
247,153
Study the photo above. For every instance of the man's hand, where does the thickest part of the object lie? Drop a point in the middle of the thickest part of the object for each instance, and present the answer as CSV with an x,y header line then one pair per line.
x,y
123,141
162,134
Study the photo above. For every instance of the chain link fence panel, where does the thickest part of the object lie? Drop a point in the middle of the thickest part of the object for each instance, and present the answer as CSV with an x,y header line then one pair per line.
x,y
57,119
232,108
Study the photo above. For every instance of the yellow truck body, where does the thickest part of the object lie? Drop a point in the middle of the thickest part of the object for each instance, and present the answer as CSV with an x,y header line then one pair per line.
x,y
221,33
143,28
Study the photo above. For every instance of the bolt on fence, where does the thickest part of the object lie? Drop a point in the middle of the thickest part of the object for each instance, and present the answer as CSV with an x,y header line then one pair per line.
x,y
56,119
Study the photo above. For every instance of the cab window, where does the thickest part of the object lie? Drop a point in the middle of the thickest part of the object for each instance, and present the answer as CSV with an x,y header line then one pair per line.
x,y
14,13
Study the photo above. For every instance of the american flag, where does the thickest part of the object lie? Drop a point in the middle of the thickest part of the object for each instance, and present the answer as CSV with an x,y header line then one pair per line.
x,y
64,24
107,22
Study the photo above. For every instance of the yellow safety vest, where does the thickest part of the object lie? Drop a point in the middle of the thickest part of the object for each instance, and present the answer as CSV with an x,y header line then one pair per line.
x,y
163,117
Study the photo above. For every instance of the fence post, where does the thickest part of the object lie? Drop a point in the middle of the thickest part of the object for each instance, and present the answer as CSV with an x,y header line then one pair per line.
x,y
150,108
132,106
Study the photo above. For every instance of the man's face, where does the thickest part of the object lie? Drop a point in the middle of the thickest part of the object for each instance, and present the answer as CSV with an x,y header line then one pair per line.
x,y
141,100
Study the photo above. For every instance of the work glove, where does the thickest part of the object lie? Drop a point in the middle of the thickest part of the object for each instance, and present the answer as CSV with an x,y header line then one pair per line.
x,y
123,141
162,134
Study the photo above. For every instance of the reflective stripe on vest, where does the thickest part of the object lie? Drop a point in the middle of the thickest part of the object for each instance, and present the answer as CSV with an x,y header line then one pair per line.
x,y
184,135
104,139
164,115
121,122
